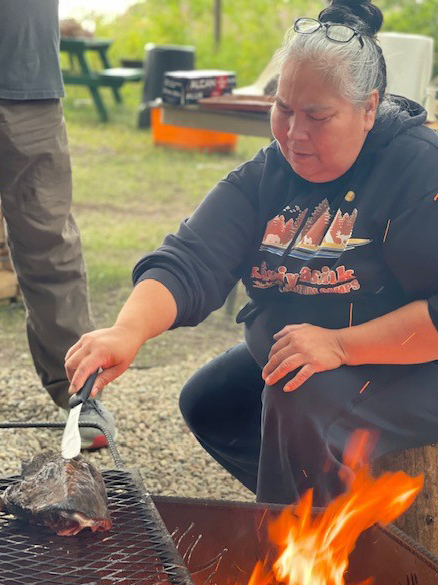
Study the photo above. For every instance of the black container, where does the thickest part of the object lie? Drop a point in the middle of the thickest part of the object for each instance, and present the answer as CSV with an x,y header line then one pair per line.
x,y
159,59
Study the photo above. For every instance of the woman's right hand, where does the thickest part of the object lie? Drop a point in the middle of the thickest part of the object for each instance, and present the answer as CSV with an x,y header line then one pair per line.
x,y
112,349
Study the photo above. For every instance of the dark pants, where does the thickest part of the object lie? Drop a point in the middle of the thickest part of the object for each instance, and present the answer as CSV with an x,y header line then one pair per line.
x,y
36,198
279,444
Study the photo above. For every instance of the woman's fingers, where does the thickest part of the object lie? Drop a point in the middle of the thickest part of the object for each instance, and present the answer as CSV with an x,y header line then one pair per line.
x,y
288,328
73,360
74,348
284,367
105,378
279,345
311,348
301,376
285,339
111,350
80,372
280,365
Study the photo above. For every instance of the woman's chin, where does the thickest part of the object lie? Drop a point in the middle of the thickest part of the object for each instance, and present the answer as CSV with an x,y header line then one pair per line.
x,y
309,171
304,167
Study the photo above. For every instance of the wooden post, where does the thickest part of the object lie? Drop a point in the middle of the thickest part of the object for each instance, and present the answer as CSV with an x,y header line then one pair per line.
x,y
8,280
420,521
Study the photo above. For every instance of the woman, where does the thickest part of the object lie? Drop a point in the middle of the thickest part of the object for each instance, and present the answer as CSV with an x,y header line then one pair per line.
x,y
332,229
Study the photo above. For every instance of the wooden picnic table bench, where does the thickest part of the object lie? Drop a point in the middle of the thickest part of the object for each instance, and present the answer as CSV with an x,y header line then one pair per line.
x,y
82,73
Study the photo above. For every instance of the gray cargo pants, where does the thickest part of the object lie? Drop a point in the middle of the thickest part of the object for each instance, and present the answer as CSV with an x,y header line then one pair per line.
x,y
36,197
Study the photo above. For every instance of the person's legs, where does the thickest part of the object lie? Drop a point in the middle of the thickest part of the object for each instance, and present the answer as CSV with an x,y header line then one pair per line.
x,y
221,404
404,413
36,197
304,432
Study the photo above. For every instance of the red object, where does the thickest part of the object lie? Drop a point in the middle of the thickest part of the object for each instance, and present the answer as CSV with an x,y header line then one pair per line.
x,y
99,442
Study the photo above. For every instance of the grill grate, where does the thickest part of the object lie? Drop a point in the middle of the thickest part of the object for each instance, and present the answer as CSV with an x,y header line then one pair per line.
x,y
137,551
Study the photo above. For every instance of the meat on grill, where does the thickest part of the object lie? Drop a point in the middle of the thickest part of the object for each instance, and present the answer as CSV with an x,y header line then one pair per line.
x,y
64,495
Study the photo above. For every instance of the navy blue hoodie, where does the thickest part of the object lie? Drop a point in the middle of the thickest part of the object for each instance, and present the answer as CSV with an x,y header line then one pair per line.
x,y
331,254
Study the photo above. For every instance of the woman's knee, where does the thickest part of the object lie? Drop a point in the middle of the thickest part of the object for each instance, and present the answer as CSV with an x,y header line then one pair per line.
x,y
322,397
221,390
191,400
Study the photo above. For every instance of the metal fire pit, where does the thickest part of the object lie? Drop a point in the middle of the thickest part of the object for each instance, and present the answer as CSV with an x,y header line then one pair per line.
x,y
173,541
221,542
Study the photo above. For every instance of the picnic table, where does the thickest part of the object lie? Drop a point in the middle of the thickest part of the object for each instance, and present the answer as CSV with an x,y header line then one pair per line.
x,y
82,73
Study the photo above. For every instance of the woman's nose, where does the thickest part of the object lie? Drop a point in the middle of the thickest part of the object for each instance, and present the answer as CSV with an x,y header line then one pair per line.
x,y
297,128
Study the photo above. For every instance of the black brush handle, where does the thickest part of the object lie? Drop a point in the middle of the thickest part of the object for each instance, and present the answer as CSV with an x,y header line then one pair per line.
x,y
83,394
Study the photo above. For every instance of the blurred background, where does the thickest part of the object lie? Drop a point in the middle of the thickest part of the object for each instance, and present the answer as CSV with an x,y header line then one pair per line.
x,y
250,30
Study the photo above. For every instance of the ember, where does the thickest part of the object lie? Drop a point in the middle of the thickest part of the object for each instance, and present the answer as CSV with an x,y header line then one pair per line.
x,y
315,550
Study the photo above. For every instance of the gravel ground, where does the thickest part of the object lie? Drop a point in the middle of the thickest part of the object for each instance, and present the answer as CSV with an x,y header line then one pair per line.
x,y
152,436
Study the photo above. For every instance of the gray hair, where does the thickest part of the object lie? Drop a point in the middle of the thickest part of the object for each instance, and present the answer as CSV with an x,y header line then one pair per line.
x,y
355,71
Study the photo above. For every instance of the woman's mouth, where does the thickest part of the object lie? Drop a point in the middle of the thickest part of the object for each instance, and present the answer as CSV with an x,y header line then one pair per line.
x,y
300,155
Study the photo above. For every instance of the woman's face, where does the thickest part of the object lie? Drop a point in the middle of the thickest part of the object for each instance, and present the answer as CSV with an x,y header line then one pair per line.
x,y
320,134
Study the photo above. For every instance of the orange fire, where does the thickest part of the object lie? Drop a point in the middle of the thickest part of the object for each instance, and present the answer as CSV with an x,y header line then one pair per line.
x,y
315,550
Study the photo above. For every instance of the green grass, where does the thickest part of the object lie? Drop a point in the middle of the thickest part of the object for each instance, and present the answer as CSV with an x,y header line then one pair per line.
x,y
128,194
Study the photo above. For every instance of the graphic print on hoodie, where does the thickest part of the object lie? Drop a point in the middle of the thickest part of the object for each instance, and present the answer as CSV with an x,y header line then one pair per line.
x,y
309,235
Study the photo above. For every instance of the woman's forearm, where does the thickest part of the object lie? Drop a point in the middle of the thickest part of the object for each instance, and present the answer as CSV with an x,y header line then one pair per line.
x,y
150,310
404,336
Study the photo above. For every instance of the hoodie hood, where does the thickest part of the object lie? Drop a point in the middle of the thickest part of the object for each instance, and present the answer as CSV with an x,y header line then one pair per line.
x,y
411,113
388,126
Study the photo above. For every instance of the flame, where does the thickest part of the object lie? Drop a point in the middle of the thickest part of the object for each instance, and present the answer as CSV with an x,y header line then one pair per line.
x,y
314,550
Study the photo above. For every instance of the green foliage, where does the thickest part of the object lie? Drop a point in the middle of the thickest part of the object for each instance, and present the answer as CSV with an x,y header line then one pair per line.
x,y
414,17
251,29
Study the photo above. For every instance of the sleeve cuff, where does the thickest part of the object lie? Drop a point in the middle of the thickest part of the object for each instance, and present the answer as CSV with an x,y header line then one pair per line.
x,y
172,284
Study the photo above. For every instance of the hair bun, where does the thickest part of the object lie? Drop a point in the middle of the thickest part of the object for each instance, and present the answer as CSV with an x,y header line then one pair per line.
x,y
361,14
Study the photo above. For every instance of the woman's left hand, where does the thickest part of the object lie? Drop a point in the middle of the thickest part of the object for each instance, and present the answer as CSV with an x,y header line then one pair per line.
x,y
307,347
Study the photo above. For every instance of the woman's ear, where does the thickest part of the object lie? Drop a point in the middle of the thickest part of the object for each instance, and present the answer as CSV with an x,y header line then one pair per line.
x,y
371,109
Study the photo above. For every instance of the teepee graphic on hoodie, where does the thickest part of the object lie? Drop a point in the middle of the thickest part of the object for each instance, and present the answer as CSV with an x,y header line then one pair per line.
x,y
279,233
320,234
316,226
341,228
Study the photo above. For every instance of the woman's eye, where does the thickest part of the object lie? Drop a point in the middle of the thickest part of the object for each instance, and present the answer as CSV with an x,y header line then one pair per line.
x,y
319,119
283,110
